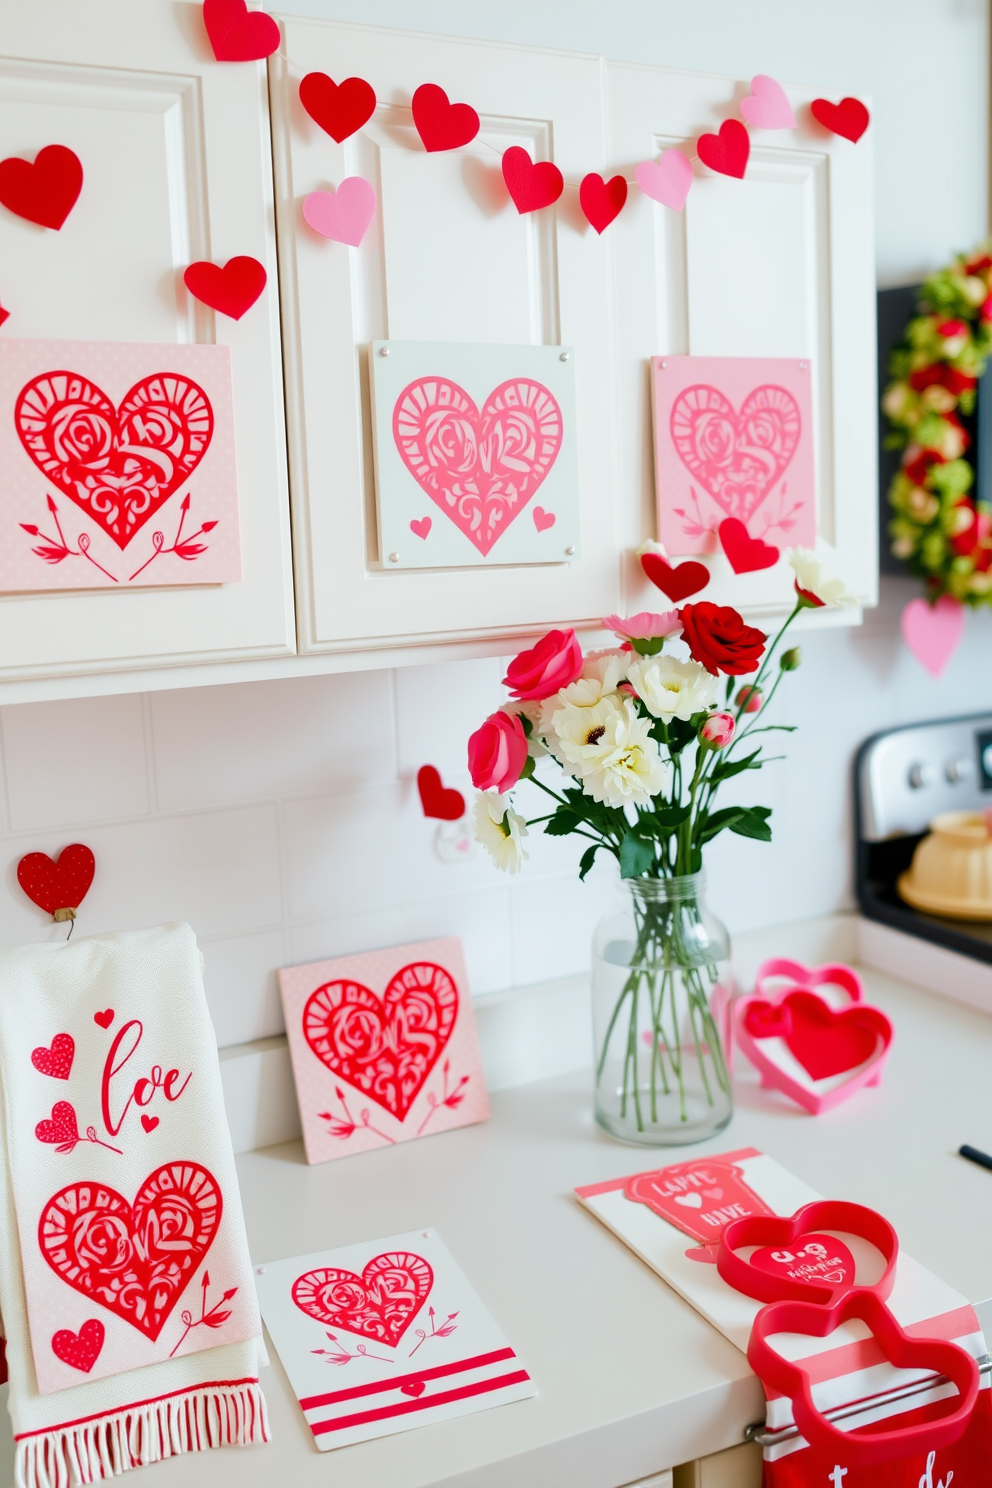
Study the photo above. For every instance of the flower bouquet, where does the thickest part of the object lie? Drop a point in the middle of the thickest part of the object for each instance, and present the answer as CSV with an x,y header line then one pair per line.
x,y
645,734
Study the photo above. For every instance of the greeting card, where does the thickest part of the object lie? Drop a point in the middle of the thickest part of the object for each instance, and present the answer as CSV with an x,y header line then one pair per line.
x,y
385,1336
384,1047
117,466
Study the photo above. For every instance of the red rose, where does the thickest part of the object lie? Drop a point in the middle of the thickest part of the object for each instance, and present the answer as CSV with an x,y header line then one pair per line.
x,y
546,668
719,640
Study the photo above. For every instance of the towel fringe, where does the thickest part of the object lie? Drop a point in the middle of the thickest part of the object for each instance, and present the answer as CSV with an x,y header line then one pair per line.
x,y
211,1416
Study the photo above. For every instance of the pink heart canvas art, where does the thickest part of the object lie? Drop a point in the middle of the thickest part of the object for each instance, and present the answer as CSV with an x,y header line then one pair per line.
x,y
733,439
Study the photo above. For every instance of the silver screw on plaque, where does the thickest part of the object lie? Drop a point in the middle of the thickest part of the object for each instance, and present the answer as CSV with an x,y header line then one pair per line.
x,y
569,552
383,350
394,557
563,357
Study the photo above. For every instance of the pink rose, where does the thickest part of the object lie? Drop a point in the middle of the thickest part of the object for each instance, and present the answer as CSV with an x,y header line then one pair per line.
x,y
717,731
546,668
496,753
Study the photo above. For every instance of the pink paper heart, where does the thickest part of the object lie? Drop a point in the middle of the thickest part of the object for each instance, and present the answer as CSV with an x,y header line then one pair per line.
x,y
542,519
343,215
666,180
421,528
932,632
766,106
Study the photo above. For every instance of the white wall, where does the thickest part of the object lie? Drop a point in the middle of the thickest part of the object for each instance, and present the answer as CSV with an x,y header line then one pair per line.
x,y
281,818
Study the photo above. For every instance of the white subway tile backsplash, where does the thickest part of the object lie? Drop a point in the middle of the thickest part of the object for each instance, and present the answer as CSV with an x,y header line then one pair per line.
x,y
239,974
77,761
438,707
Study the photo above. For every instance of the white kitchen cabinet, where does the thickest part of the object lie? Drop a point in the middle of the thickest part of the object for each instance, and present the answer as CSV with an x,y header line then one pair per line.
x,y
177,167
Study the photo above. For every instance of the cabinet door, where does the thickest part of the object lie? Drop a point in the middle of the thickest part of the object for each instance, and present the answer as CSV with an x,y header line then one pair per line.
x,y
779,264
446,259
176,158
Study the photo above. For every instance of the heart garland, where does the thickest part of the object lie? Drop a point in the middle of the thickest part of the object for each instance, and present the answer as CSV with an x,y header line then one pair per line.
x,y
44,190
339,108
231,289
238,34
677,583
438,801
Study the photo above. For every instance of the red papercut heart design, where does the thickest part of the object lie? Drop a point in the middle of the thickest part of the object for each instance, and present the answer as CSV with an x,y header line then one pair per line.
x,y
602,201
232,289
480,469
56,1061
81,1349
61,884
44,191
339,108
416,1388
745,553
849,118
379,1304
437,801
440,124
738,457
531,186
826,1042
811,1258
136,1260
61,1128
677,583
238,34
119,465
728,151
676,1194
386,1049
105,1018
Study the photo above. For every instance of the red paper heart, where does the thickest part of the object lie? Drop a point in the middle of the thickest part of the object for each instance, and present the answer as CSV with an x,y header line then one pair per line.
x,y
137,1260
238,34
436,799
44,191
811,1258
149,1123
600,200
232,289
738,457
826,1042
440,124
531,186
728,151
61,884
105,1018
676,1194
745,553
849,118
416,1388
4,315
386,1049
61,1128
56,1061
379,1304
339,108
677,583
118,465
81,1349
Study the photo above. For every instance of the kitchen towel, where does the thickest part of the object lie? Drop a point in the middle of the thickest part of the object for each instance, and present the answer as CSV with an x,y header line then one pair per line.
x,y
128,1301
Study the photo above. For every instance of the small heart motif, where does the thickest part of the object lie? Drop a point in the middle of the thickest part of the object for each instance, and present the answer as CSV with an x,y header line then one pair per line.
x,y
745,553
689,1200
105,1018
437,801
932,632
56,1061
81,1349
849,118
343,215
149,1123
238,34
422,527
602,201
59,884
62,1126
766,106
531,186
414,1388
442,125
705,1254
44,190
728,151
667,179
678,583
542,519
231,290
812,1258
339,108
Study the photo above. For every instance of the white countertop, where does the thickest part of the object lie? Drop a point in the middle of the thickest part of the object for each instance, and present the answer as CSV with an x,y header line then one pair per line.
x,y
631,1380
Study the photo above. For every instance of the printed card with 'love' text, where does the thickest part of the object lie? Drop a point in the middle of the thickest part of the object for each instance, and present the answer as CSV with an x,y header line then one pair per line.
x,y
385,1336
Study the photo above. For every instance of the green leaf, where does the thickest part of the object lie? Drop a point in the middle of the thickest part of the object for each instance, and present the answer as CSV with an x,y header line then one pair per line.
x,y
587,859
754,823
528,768
670,817
636,857
709,826
563,822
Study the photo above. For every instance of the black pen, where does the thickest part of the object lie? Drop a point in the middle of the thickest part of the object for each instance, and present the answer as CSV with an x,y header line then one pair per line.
x,y
974,1155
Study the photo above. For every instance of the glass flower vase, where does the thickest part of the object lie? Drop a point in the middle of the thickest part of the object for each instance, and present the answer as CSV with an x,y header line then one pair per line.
x,y
661,993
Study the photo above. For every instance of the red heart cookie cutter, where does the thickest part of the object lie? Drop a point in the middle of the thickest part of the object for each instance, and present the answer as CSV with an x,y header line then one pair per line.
x,y
822,1214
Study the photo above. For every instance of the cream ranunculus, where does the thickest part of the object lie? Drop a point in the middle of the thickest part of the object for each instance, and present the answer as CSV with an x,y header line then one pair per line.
x,y
602,673
813,580
670,688
500,830
609,747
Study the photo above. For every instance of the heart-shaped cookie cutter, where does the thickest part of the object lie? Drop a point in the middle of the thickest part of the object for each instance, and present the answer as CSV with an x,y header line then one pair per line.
x,y
822,1214
809,978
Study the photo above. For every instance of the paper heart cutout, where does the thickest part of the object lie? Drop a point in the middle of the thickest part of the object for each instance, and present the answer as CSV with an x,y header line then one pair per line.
x,y
745,554
766,106
379,1304
480,469
849,118
238,34
44,190
932,632
387,1047
602,201
231,290
61,1128
811,1258
62,884
676,1194
118,465
689,1200
704,1254
343,215
135,1259
794,974
339,108
531,186
728,151
149,1123
57,1060
678,583
667,179
4,315
737,457
437,801
421,528
105,1018
543,520
81,1350
416,1388
442,125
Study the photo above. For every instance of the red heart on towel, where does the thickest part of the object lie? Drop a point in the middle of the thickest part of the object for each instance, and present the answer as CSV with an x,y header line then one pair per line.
x,y
56,1061
61,1128
81,1349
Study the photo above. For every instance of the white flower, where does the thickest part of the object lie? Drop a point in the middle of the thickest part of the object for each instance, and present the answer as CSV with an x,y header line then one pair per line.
x,y
670,688
602,673
812,577
532,712
609,747
500,830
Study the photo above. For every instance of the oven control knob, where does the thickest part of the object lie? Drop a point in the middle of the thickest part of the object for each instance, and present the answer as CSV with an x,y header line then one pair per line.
x,y
958,769
920,775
